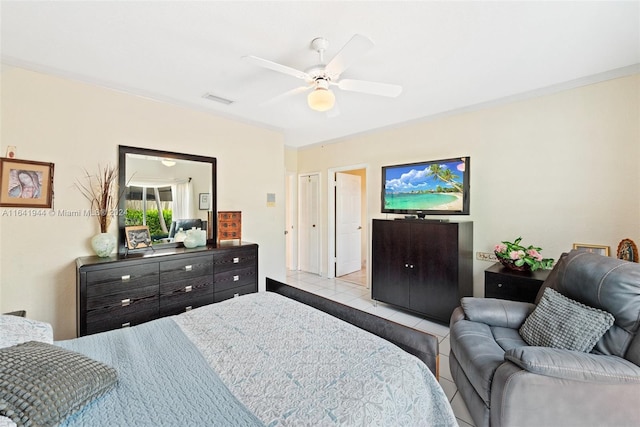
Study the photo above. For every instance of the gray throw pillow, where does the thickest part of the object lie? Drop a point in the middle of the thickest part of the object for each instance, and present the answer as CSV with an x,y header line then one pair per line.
x,y
561,322
42,384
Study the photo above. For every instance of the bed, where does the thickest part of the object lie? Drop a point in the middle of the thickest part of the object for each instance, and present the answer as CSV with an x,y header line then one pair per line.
x,y
259,359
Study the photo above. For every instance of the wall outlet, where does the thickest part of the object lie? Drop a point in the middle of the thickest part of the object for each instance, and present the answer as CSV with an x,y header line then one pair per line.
x,y
486,256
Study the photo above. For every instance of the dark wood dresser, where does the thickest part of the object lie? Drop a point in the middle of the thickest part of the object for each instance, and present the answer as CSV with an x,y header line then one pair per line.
x,y
501,282
119,292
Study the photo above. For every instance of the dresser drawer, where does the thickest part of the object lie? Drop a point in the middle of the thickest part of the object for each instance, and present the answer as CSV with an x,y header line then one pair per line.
x,y
233,216
127,299
99,323
181,303
234,278
230,293
185,269
234,259
187,286
500,282
228,230
119,279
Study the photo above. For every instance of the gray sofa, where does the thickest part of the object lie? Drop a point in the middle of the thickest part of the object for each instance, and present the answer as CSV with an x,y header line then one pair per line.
x,y
506,382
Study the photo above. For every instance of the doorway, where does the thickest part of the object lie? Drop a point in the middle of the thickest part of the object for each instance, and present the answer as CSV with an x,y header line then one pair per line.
x,y
347,219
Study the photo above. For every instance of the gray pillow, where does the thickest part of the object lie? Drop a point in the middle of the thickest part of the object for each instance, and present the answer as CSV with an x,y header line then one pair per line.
x,y
561,322
42,384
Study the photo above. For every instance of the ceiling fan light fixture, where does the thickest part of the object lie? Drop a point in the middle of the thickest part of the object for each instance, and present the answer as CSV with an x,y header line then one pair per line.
x,y
321,99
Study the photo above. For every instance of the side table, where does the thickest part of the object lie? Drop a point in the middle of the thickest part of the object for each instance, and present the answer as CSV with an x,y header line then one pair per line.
x,y
501,282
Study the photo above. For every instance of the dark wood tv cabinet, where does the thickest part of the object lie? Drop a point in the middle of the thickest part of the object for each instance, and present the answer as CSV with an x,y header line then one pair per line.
x,y
117,292
424,266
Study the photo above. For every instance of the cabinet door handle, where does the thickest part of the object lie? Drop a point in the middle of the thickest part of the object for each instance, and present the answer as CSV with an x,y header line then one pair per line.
x,y
125,302
236,295
236,278
236,260
126,278
188,288
188,267
499,285
126,325
411,266
406,266
188,308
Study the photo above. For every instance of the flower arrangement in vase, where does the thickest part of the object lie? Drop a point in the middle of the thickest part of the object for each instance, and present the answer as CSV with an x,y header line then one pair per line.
x,y
101,191
517,257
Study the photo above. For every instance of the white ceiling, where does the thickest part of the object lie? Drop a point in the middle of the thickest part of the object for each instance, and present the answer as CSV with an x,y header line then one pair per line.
x,y
447,55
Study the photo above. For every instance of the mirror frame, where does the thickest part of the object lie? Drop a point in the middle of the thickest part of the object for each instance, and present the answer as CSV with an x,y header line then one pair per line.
x,y
123,150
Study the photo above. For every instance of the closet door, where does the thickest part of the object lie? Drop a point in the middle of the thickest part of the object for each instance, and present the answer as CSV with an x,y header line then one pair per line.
x,y
309,208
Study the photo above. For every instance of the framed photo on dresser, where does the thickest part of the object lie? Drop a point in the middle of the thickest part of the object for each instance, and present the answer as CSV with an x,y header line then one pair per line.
x,y
138,236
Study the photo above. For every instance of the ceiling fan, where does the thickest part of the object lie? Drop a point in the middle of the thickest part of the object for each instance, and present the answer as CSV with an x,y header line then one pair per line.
x,y
319,78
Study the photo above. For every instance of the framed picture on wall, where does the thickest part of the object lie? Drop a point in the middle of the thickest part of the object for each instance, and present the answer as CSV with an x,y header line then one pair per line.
x,y
596,249
628,251
204,202
25,183
138,236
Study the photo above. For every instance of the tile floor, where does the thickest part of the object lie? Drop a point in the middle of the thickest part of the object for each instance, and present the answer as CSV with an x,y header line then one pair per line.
x,y
348,291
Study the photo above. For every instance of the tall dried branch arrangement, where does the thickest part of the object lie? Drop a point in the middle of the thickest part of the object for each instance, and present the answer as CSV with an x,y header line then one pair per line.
x,y
101,190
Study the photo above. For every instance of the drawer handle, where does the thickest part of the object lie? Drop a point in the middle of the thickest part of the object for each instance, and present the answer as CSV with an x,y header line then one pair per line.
x,y
126,325
188,308
126,302
236,295
188,267
236,278
188,288
126,278
499,285
236,260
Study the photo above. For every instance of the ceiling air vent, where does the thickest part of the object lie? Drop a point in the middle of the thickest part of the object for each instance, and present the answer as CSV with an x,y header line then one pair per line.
x,y
215,98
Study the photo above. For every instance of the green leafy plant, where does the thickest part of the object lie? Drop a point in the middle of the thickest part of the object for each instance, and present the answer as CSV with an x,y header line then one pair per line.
x,y
521,256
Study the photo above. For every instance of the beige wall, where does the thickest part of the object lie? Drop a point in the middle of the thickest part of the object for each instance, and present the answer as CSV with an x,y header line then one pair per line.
x,y
556,170
78,126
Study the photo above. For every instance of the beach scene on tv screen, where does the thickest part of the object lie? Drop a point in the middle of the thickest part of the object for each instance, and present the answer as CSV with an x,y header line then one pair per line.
x,y
427,186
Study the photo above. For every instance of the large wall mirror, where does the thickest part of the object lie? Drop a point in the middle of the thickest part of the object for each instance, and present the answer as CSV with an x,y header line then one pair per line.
x,y
180,186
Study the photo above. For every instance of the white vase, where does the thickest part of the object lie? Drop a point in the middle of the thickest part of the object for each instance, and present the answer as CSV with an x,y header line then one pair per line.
x,y
103,244
191,241
180,236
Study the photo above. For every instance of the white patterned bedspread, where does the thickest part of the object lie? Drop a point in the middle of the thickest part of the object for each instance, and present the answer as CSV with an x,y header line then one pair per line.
x,y
291,364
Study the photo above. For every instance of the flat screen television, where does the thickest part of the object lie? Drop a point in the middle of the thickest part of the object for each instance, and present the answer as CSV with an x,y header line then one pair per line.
x,y
434,187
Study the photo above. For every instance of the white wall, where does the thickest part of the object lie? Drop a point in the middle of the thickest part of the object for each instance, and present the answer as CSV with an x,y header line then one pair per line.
x,y
78,126
556,170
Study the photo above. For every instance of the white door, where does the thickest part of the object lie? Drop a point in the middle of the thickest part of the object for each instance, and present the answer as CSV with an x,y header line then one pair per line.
x,y
348,227
309,223
290,227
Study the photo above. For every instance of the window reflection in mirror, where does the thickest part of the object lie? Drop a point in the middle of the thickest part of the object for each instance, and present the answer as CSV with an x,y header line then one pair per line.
x,y
144,205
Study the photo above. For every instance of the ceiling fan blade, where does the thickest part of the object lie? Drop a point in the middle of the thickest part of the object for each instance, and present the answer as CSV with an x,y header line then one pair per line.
x,y
286,94
373,88
265,63
355,48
